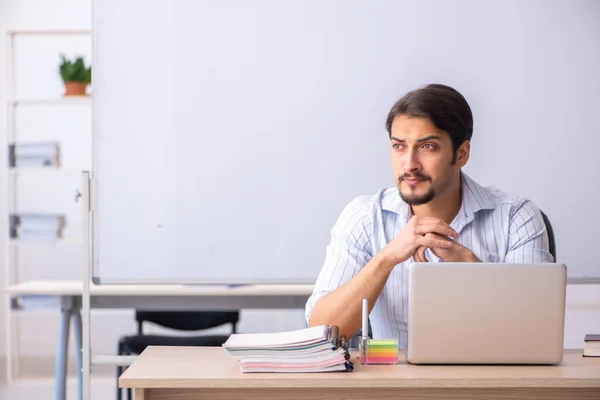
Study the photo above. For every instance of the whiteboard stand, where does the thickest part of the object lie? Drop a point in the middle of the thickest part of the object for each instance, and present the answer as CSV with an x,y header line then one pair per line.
x,y
86,349
88,196
88,206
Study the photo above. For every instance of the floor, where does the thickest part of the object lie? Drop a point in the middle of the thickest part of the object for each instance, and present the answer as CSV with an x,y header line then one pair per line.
x,y
38,383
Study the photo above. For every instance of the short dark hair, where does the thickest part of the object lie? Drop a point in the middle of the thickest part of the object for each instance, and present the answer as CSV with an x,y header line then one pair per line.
x,y
445,107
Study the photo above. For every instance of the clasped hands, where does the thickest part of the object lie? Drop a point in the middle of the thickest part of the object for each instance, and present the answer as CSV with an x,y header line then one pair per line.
x,y
456,252
421,233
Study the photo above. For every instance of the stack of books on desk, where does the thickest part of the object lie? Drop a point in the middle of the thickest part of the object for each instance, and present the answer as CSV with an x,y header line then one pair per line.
x,y
592,345
315,349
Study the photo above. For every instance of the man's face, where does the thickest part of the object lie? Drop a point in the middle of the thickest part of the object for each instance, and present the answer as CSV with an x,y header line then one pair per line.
x,y
422,159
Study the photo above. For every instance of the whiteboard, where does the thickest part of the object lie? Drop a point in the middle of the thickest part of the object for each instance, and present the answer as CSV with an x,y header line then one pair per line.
x,y
229,135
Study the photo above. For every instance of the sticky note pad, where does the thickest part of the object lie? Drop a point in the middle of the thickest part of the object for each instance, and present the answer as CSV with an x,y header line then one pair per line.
x,y
379,351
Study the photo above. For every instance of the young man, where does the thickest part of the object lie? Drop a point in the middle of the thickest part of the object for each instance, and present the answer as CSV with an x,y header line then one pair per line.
x,y
436,213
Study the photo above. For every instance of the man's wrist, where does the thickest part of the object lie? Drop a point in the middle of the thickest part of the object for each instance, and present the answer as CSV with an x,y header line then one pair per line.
x,y
386,260
470,256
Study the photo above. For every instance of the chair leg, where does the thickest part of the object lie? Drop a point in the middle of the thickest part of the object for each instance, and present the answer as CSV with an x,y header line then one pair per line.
x,y
120,352
129,395
119,372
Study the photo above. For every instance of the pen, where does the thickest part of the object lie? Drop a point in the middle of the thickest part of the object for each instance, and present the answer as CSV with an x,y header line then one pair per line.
x,y
365,318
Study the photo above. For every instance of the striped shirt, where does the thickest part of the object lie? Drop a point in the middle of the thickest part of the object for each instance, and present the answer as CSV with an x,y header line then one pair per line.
x,y
496,227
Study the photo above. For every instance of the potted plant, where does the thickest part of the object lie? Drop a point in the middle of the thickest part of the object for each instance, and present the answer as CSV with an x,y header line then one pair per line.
x,y
75,75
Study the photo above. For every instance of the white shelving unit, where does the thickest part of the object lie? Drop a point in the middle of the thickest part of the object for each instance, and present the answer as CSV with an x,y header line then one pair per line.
x,y
60,182
74,100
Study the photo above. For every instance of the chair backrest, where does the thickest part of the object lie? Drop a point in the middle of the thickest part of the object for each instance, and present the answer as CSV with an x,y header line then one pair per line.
x,y
551,242
188,320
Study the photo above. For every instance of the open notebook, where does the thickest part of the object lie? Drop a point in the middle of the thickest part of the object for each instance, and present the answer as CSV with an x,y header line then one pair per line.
x,y
315,349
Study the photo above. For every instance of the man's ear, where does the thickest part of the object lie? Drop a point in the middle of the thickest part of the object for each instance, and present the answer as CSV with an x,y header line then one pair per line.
x,y
462,154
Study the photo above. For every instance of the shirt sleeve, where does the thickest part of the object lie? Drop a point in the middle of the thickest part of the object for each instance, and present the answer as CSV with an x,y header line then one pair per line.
x,y
347,252
528,236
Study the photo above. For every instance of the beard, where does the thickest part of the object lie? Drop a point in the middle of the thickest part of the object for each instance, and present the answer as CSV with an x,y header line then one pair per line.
x,y
413,199
416,199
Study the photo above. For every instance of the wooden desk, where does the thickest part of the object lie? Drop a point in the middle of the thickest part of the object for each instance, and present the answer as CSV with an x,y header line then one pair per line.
x,y
186,373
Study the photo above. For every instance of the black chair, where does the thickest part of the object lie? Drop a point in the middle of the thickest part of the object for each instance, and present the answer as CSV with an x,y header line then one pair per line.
x,y
551,242
177,320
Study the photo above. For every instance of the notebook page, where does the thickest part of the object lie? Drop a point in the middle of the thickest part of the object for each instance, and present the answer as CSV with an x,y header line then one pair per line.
x,y
307,335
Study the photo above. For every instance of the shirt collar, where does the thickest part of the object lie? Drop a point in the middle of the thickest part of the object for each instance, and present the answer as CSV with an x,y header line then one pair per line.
x,y
391,201
475,198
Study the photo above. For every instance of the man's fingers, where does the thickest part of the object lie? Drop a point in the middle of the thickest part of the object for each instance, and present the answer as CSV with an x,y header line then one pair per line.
x,y
436,227
419,255
434,241
421,252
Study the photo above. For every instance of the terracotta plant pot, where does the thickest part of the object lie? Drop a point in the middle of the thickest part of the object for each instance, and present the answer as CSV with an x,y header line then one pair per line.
x,y
75,88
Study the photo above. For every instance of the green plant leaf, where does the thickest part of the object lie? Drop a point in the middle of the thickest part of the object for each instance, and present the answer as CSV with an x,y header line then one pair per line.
x,y
74,71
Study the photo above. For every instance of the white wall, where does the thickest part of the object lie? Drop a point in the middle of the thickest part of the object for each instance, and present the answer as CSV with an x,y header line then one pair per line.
x,y
38,331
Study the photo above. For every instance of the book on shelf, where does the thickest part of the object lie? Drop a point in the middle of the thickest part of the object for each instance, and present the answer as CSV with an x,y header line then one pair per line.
x,y
25,235
591,346
31,227
41,154
315,349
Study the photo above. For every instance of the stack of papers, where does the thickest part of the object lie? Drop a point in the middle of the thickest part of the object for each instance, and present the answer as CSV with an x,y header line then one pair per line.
x,y
315,349
44,154
591,346
37,227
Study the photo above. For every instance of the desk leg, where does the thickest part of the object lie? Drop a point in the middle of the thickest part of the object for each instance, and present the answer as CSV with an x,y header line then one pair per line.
x,y
62,350
79,348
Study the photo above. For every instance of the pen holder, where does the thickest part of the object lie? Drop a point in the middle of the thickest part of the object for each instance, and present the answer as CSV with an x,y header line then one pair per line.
x,y
378,351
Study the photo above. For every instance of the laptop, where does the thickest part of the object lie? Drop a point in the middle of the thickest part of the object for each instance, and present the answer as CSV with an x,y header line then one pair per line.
x,y
486,313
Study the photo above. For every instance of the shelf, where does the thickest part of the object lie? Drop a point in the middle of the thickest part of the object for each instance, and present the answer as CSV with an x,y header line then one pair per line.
x,y
20,244
70,100
28,171
46,184
13,32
